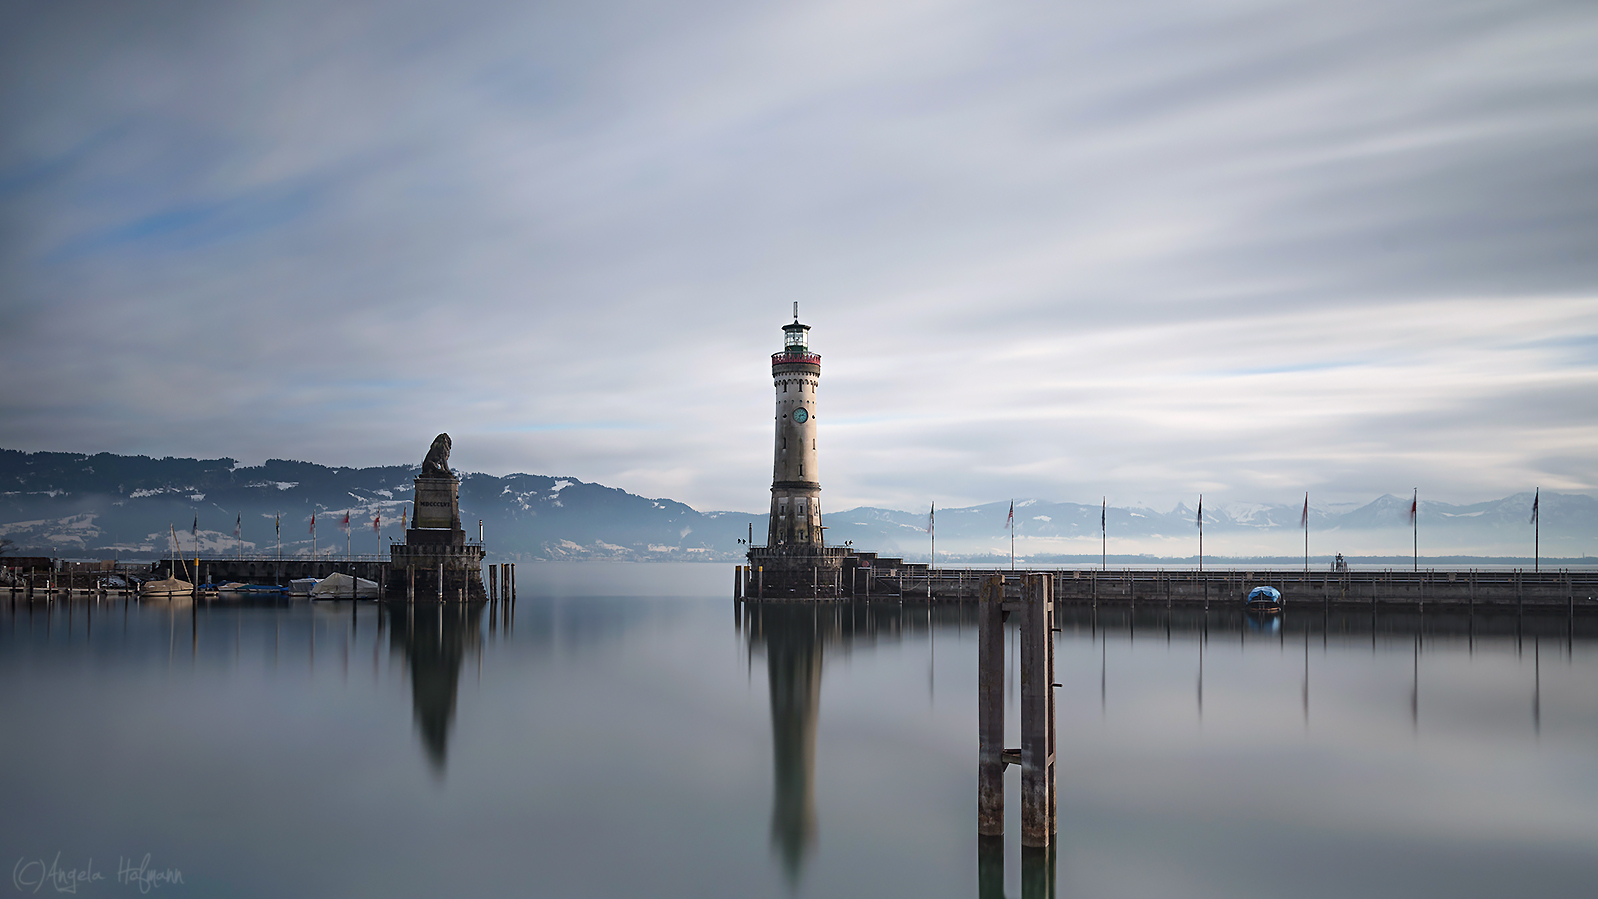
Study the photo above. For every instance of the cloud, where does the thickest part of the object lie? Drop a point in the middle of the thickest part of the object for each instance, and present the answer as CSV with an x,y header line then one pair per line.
x,y
1244,248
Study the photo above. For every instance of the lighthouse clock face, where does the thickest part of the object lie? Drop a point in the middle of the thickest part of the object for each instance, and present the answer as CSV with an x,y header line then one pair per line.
x,y
800,415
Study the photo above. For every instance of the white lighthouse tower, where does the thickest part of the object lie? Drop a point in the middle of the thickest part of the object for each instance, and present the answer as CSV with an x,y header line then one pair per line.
x,y
796,560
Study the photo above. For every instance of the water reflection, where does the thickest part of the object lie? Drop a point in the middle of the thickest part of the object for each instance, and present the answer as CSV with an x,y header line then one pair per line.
x,y
436,640
794,637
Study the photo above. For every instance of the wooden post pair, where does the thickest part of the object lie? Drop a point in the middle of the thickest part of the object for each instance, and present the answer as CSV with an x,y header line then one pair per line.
x,y
1036,755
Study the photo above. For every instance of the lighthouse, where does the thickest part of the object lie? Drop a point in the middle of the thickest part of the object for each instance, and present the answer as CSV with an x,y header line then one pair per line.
x,y
795,562
795,474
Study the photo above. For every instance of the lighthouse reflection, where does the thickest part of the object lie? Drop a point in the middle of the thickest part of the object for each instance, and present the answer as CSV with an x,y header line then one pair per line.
x,y
435,639
792,636
795,638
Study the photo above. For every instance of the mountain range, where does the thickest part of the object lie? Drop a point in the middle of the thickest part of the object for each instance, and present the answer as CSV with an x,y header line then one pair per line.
x,y
104,505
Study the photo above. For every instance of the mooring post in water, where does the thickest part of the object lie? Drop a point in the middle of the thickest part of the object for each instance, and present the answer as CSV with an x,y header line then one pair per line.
x,y
990,710
1037,713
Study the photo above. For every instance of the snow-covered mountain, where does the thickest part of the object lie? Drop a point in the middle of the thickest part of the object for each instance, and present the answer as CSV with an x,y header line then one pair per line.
x,y
98,506
1497,528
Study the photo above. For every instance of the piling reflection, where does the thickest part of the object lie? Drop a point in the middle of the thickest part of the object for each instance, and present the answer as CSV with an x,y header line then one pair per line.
x,y
436,639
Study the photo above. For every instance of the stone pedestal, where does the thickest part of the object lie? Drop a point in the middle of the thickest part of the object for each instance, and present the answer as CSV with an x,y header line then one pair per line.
x,y
437,503
435,551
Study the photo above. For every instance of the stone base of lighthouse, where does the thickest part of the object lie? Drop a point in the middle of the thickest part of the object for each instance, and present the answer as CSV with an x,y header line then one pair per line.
x,y
799,571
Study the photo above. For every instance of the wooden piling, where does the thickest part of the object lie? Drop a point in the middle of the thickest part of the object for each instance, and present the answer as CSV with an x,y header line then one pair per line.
x,y
990,708
1037,713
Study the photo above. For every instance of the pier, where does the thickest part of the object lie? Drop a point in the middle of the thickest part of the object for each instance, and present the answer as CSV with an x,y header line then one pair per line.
x,y
271,570
863,576
494,583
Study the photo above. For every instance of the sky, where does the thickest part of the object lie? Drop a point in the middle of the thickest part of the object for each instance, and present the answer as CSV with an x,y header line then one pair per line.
x,y
1141,251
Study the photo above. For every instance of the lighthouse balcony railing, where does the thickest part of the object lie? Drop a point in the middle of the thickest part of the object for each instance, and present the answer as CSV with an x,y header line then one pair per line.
x,y
806,358
799,550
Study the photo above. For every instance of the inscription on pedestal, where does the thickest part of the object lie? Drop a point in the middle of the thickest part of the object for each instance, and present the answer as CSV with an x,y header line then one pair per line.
x,y
437,502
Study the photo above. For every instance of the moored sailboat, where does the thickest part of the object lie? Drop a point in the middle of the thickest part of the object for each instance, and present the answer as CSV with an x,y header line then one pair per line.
x,y
171,585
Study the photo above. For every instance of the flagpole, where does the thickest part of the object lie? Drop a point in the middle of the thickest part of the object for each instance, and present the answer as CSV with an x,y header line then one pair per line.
x,y
1201,535
1414,521
1537,532
1104,538
932,528
1306,537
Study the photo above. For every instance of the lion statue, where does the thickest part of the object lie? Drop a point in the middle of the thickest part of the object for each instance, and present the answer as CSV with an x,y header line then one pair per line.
x,y
436,465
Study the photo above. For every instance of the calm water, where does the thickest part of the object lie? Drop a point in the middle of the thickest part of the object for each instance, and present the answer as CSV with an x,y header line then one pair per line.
x,y
628,735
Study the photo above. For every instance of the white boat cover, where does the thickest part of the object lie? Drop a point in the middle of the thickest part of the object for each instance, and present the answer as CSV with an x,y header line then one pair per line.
x,y
167,587
302,586
337,586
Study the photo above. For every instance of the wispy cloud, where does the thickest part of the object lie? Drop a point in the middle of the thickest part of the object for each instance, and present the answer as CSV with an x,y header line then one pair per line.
x,y
1147,249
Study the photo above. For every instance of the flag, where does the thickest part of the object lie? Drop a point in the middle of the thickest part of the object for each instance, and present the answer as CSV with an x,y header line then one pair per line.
x,y
196,529
345,524
1009,522
1199,519
277,524
377,524
402,517
313,524
1534,500
1303,521
931,511
1414,507
1104,510
238,523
